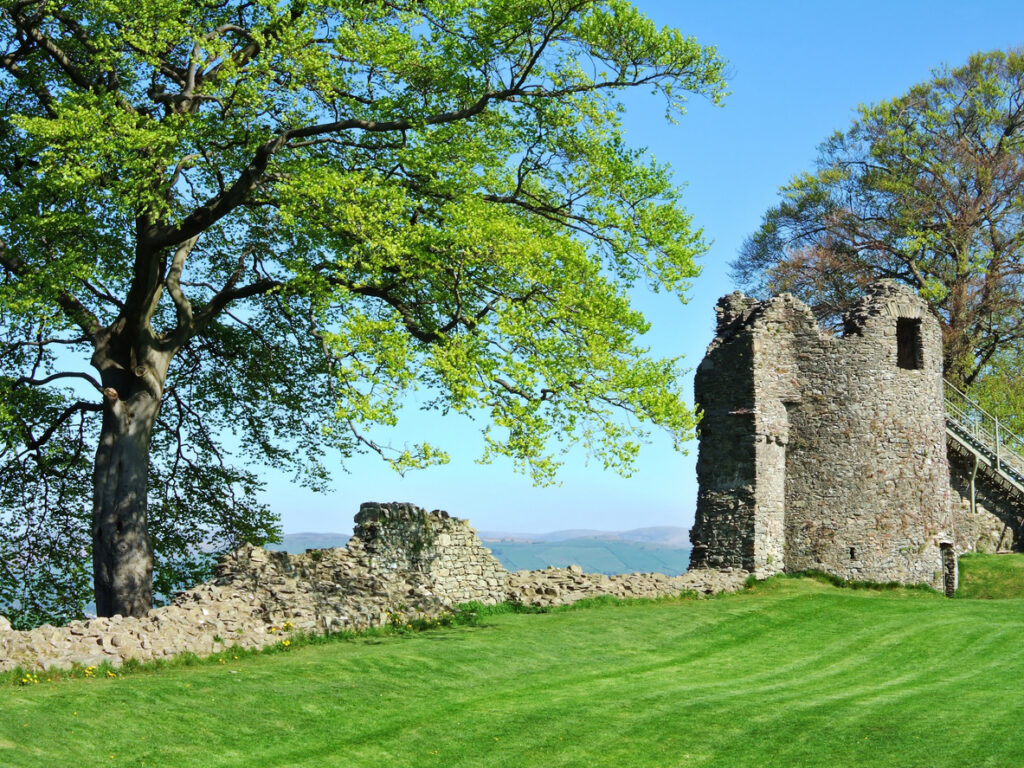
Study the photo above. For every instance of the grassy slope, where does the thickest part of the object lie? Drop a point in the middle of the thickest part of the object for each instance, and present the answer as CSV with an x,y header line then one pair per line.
x,y
991,577
797,673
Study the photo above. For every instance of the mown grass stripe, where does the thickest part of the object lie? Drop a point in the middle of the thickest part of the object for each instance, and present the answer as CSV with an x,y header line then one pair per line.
x,y
798,673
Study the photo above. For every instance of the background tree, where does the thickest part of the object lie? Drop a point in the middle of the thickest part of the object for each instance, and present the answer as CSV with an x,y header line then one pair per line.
x,y
274,219
925,189
999,388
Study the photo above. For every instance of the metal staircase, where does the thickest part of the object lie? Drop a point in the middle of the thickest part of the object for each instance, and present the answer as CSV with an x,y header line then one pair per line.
x,y
994,452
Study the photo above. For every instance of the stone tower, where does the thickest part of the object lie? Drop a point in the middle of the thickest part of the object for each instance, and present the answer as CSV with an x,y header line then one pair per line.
x,y
824,452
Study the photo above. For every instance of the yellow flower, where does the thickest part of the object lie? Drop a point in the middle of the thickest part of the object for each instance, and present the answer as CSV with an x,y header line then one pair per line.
x,y
287,626
286,643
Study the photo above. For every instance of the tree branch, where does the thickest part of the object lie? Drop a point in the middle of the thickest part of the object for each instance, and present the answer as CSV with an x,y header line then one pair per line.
x,y
222,204
182,305
64,375
75,310
9,62
34,444
228,295
53,51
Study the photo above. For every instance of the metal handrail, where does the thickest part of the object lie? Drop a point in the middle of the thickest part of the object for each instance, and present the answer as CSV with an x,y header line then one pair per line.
x,y
1004,447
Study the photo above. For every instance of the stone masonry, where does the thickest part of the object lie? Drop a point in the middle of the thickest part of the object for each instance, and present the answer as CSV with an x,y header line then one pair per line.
x,y
402,563
443,551
824,452
992,523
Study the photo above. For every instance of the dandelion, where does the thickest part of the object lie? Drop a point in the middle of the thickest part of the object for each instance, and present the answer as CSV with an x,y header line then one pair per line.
x,y
287,626
111,673
285,643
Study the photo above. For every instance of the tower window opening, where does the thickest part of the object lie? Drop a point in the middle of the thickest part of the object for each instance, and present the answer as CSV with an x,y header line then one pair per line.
x,y
909,354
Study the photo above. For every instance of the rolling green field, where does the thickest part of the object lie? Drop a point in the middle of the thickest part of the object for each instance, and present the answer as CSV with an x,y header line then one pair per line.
x,y
794,672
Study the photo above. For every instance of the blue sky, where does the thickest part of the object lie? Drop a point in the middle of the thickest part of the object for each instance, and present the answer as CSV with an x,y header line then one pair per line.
x,y
797,71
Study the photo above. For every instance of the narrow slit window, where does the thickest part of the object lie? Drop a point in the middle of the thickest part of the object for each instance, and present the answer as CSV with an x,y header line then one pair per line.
x,y
909,354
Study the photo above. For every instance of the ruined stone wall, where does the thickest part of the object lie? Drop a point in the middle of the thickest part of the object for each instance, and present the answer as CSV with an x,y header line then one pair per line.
x,y
402,563
869,481
838,442
445,550
401,560
563,586
723,531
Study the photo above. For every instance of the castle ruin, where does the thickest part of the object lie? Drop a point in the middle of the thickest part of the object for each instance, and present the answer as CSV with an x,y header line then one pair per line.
x,y
823,452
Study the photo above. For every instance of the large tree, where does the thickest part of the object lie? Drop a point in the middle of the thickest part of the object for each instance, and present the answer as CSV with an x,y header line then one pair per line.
x,y
928,189
272,219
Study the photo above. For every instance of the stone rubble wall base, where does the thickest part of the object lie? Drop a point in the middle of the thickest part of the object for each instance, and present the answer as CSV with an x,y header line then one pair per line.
x,y
562,586
401,560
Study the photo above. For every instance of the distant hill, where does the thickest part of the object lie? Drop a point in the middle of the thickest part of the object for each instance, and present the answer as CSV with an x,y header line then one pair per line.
x,y
297,543
592,554
671,536
660,549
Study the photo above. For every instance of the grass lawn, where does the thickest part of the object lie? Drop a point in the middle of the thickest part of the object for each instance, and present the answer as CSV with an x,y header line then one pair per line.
x,y
991,577
794,673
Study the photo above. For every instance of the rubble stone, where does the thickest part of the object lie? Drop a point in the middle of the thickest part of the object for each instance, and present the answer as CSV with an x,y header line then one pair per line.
x,y
401,564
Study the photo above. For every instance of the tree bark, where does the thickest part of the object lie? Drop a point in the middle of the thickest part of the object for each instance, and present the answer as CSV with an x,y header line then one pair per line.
x,y
956,347
122,552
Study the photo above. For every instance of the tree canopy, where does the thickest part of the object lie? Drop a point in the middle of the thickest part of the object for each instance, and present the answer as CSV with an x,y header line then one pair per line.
x,y
925,189
267,222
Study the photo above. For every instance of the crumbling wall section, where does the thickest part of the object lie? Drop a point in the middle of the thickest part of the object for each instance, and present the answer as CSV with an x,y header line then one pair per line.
x,y
402,562
723,532
443,552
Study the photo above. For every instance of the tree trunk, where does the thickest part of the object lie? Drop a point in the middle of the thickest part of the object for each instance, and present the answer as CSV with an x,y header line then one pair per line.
x,y
122,552
957,346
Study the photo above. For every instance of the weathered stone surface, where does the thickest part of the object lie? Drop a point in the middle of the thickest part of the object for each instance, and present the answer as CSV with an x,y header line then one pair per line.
x,y
824,452
443,549
563,586
987,519
402,562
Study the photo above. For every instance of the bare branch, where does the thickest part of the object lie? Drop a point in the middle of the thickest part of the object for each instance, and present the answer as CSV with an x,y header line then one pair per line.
x,y
64,375
102,294
33,443
11,346
173,285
